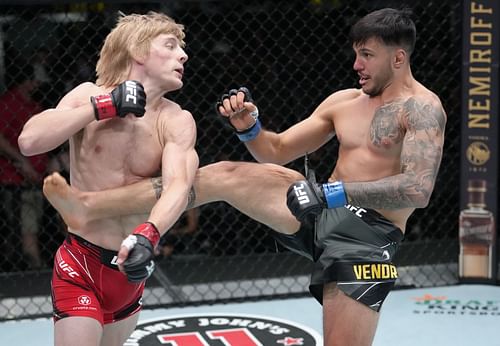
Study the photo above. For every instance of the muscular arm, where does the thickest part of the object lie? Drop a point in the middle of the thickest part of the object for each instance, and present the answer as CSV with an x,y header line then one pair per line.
x,y
281,148
420,159
179,165
305,137
49,129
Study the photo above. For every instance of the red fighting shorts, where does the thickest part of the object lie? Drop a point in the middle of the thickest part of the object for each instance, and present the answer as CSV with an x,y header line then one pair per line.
x,y
86,282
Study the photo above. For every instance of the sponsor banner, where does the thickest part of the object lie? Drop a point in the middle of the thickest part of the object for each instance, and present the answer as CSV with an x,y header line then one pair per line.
x,y
222,329
429,304
479,134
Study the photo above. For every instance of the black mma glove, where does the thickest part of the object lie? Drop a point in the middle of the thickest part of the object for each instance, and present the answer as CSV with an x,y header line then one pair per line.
x,y
308,198
139,264
128,97
252,130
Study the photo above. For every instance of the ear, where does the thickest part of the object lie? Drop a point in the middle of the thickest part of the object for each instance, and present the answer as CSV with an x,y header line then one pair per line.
x,y
400,57
138,57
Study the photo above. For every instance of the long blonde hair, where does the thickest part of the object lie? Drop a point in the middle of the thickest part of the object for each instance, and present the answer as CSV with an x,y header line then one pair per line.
x,y
131,37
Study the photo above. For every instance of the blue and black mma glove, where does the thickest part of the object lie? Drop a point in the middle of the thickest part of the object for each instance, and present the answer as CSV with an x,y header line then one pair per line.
x,y
253,130
128,97
305,198
139,264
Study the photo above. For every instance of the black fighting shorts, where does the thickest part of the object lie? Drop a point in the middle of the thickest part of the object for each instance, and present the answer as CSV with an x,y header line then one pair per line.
x,y
353,247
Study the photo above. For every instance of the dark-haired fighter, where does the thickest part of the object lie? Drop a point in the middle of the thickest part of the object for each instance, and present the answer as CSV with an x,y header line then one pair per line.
x,y
391,134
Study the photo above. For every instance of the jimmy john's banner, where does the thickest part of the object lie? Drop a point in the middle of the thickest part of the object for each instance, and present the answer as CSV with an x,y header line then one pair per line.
x,y
479,163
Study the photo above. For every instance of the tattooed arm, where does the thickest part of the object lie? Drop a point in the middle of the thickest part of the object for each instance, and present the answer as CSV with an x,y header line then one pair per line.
x,y
420,159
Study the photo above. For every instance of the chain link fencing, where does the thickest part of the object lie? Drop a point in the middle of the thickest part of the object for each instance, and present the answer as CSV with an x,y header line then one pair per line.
x,y
292,55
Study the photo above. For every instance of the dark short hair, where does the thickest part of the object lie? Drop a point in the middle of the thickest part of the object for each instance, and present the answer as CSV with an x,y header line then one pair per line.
x,y
393,27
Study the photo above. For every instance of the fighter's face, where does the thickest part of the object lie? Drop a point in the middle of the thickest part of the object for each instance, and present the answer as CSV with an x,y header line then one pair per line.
x,y
166,60
373,64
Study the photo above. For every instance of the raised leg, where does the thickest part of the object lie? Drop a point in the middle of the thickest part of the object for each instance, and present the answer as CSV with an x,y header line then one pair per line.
x,y
257,190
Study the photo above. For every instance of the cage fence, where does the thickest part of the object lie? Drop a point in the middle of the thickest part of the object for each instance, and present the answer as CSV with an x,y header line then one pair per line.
x,y
291,55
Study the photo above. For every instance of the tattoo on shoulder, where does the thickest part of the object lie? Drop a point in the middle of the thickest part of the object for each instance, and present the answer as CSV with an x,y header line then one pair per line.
x,y
424,116
157,184
426,123
387,121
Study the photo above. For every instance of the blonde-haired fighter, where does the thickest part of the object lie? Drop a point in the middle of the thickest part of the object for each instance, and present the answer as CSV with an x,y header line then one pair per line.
x,y
121,129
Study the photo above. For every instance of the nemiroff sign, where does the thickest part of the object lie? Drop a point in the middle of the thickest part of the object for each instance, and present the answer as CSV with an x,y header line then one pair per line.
x,y
222,329
480,107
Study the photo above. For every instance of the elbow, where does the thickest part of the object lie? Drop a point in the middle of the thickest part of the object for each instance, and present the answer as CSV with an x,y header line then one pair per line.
x,y
426,197
421,199
417,190
422,202
26,145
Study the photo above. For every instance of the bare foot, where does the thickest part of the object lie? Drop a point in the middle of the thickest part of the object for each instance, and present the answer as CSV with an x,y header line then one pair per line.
x,y
66,200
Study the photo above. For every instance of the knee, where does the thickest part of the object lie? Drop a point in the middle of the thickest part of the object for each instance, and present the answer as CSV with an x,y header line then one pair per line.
x,y
288,175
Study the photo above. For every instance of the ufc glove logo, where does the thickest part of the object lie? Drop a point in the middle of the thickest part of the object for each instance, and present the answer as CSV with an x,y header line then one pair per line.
x,y
150,268
301,194
131,89
303,199
128,97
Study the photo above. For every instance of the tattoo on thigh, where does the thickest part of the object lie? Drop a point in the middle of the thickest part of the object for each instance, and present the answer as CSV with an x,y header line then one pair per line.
x,y
157,186
191,198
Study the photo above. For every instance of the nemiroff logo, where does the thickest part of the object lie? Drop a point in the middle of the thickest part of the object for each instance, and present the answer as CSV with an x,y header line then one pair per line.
x,y
442,305
222,330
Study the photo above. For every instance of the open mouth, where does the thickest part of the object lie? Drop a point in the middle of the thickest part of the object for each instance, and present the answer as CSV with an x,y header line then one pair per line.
x,y
179,71
363,80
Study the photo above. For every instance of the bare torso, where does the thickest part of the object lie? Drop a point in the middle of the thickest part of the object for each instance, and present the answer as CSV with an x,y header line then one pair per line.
x,y
371,133
114,153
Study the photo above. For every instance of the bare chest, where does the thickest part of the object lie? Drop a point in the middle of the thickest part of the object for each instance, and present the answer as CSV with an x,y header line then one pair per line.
x,y
124,148
377,129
